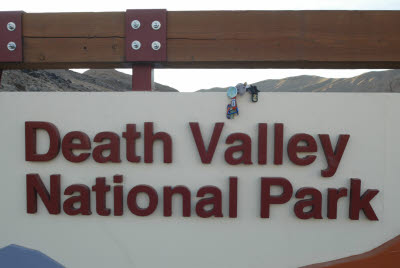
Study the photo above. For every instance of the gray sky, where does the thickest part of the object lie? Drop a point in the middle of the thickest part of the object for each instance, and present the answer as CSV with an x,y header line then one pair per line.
x,y
120,5
191,80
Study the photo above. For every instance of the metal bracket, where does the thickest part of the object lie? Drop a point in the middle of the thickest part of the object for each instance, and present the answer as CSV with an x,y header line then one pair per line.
x,y
11,36
146,35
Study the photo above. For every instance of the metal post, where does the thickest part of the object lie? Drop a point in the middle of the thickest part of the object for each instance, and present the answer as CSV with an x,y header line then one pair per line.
x,y
142,77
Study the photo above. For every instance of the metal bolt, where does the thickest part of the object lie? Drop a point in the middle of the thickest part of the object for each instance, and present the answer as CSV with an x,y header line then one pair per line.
x,y
136,45
135,24
156,45
156,25
11,46
11,26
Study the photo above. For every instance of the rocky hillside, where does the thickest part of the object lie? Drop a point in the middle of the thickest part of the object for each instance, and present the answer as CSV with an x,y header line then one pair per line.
x,y
66,80
383,81
112,80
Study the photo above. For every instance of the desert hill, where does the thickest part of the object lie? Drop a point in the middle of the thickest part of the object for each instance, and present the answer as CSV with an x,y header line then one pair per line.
x,y
382,81
66,80
112,80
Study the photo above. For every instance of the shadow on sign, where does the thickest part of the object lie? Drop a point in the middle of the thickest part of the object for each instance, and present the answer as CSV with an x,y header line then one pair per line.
x,y
14,256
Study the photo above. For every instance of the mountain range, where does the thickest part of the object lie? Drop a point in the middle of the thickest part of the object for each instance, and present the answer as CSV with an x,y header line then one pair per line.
x,y
112,80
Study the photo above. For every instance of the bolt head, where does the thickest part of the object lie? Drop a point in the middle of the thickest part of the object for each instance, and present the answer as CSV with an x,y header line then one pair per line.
x,y
155,45
136,45
135,24
156,25
11,26
11,46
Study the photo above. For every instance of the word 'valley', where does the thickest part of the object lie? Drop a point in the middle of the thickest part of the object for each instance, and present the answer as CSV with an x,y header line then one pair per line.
x,y
110,151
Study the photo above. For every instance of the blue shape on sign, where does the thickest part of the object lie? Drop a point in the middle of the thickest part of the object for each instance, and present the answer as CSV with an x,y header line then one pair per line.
x,y
14,256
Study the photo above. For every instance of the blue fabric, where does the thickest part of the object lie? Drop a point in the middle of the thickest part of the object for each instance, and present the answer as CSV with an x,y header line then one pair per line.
x,y
14,256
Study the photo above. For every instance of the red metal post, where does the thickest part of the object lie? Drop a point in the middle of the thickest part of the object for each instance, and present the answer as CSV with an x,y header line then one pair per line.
x,y
142,77
11,36
145,42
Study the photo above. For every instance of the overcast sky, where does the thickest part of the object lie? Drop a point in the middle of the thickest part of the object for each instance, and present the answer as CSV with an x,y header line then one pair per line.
x,y
191,80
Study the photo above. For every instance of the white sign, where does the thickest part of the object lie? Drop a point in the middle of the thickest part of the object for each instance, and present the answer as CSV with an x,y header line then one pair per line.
x,y
160,179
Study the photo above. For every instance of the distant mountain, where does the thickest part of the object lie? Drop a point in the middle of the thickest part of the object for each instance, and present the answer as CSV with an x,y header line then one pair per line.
x,y
382,81
112,80
66,80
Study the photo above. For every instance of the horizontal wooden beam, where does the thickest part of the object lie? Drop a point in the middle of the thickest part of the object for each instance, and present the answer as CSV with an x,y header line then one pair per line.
x,y
219,39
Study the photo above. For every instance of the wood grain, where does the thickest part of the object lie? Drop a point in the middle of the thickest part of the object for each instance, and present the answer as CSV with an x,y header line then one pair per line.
x,y
64,50
220,39
85,24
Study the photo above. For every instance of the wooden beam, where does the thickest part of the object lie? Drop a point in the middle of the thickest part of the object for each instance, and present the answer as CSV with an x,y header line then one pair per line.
x,y
73,25
219,39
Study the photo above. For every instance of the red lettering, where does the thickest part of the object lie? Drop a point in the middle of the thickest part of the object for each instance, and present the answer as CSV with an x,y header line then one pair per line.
x,y
233,185
113,147
333,197
267,199
244,148
315,202
132,200
68,145
83,199
118,196
184,192
30,141
215,200
101,188
278,144
361,202
206,155
294,148
131,136
150,138
262,143
35,187
332,158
